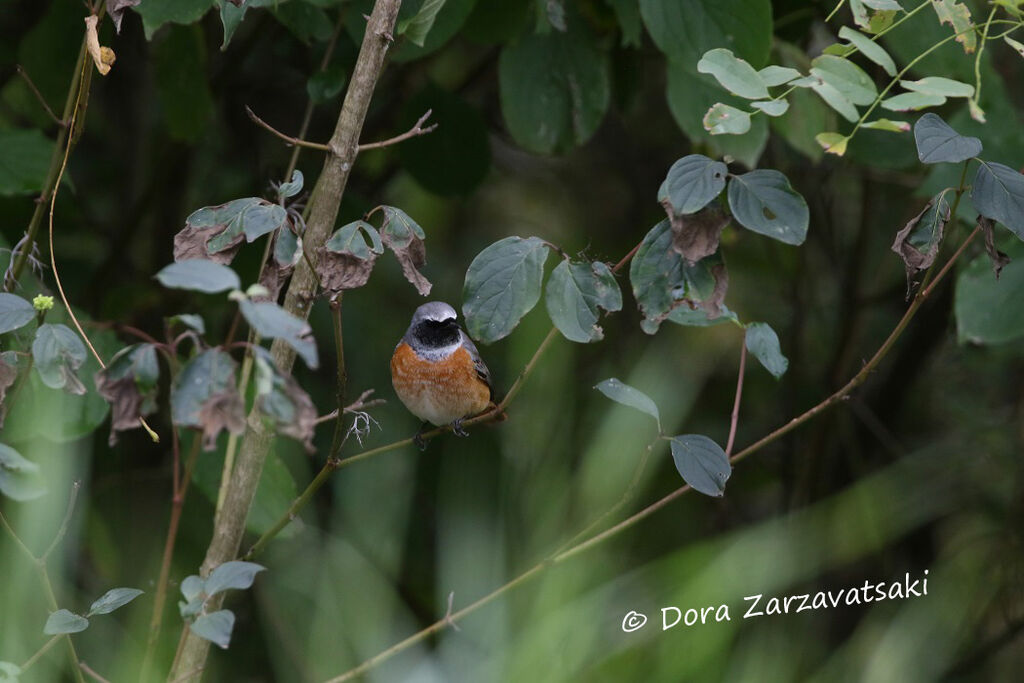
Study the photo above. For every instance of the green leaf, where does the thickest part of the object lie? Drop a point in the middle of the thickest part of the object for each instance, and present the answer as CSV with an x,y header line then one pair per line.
x,y
808,114
883,4
502,285
190,320
156,14
686,30
455,157
348,239
620,392
192,586
937,142
129,384
15,312
251,216
699,318
692,182
762,341
627,13
765,202
416,28
772,107
292,187
273,322
773,75
723,119
836,100
215,627
555,89
113,599
199,275
958,16
701,462
63,621
887,125
937,85
304,21
324,86
19,478
230,17
404,237
58,352
690,95
988,308
734,74
998,193
846,77
575,294
233,575
869,48
204,396
179,72
280,398
25,161
912,101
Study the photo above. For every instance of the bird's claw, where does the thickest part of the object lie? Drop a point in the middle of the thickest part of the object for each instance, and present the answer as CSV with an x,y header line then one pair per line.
x,y
457,428
418,439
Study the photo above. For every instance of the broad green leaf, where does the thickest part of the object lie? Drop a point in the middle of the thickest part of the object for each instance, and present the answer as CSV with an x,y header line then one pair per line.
x,y
190,609
199,275
998,193
734,74
502,285
416,28
701,462
690,95
19,478
765,202
988,308
204,396
449,20
234,574
230,17
883,4
349,239
24,162
576,293
833,143
192,586
836,100
271,321
280,398
762,341
938,143
723,119
957,15
64,621
250,216
699,318
215,627
869,48
58,352
129,384
324,86
179,74
156,14
686,30
15,312
846,77
773,75
346,260
912,101
292,187
808,114
113,599
404,237
620,392
937,85
555,89
692,182
772,107
887,125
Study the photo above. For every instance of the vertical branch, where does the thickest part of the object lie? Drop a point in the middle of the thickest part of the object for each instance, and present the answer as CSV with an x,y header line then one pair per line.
x,y
229,525
341,379
739,393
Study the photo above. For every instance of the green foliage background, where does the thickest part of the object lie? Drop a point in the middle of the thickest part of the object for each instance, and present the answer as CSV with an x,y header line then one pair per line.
x,y
920,469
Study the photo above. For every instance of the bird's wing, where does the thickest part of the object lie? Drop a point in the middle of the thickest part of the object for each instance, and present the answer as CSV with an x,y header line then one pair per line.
x,y
478,362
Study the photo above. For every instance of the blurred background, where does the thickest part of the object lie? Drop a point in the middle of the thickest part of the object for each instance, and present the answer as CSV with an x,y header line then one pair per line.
x,y
919,470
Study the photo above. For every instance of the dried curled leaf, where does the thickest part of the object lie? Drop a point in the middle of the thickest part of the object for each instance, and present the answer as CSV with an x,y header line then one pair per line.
x,y
129,384
221,411
205,396
404,236
696,235
999,259
215,232
285,253
102,57
192,243
280,398
918,242
346,261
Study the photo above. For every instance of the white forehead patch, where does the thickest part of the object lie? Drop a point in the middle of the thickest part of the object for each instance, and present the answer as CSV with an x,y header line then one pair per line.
x,y
438,312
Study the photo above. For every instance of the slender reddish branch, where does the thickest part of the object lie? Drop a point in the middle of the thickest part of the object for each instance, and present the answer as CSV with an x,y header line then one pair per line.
x,y
739,393
415,131
287,138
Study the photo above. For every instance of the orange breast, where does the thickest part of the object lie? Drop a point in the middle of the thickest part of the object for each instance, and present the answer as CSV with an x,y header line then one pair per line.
x,y
439,391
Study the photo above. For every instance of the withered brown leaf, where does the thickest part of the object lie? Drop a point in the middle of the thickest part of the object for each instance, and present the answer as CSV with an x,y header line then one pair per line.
x,y
223,410
998,258
696,235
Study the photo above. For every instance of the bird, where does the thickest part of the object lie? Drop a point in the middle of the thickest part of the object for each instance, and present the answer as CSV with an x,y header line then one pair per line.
x,y
438,373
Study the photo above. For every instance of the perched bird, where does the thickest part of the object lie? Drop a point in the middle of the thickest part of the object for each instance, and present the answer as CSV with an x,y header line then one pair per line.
x,y
437,371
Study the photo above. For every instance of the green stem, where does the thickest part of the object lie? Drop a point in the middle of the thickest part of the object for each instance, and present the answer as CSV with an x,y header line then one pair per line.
x,y
977,58
39,653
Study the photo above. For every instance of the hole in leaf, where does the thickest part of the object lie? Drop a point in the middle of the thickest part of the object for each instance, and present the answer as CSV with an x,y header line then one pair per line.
x,y
768,213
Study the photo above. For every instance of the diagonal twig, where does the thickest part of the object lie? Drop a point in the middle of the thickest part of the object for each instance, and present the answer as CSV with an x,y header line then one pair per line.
x,y
287,138
413,132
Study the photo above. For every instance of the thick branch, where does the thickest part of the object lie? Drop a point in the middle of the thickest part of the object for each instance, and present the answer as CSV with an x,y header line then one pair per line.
x,y
229,524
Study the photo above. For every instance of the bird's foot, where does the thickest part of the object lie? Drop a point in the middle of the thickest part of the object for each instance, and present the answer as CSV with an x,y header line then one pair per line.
x,y
457,428
418,439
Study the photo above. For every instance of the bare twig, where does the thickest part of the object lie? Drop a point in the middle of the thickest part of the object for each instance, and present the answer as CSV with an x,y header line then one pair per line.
x,y
92,673
63,530
287,138
39,653
415,131
39,96
739,392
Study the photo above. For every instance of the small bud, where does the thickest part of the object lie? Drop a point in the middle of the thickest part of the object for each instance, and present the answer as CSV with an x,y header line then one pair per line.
x,y
42,303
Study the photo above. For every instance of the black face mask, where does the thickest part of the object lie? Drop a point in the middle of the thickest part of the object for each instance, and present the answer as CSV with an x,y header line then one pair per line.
x,y
433,334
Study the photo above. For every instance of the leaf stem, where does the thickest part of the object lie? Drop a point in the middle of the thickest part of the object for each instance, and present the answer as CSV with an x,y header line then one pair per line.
x,y
739,392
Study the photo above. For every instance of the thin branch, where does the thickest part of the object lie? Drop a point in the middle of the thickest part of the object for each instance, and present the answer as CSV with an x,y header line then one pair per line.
x,y
39,653
287,138
92,673
739,392
413,132
39,96
360,404
72,497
